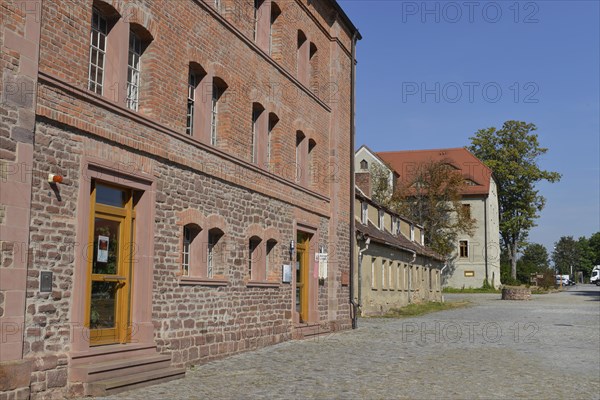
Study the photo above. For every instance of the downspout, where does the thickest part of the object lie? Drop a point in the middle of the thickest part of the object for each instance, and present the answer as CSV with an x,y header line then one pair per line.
x,y
359,271
352,183
410,270
485,239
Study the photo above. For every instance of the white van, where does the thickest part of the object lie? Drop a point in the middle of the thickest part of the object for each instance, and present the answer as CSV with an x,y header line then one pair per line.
x,y
595,278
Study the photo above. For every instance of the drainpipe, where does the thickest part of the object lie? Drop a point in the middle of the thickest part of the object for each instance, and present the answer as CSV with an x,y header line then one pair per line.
x,y
359,267
352,183
410,274
485,239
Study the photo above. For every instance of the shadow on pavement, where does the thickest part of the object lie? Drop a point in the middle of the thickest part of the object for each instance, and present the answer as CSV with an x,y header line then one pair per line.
x,y
588,292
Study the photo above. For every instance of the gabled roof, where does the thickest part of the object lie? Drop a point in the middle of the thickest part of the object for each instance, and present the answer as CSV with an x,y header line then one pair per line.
x,y
475,172
376,156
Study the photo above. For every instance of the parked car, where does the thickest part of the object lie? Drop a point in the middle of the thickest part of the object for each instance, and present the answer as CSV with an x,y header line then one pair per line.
x,y
564,278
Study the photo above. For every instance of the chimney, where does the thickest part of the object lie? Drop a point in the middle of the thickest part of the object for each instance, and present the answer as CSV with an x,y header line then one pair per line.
x,y
363,182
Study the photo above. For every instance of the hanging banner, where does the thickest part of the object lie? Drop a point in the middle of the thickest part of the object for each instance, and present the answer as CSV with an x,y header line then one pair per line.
x,y
321,265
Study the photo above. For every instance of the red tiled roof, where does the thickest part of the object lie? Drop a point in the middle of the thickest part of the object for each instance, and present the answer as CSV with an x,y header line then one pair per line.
x,y
472,168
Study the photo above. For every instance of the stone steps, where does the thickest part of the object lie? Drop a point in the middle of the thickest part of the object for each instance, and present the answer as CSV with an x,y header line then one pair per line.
x,y
106,370
309,331
134,381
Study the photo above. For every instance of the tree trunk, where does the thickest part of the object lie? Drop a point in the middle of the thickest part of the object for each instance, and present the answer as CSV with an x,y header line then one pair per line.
x,y
513,261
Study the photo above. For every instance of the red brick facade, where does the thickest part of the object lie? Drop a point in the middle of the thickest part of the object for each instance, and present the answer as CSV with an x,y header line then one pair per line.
x,y
222,179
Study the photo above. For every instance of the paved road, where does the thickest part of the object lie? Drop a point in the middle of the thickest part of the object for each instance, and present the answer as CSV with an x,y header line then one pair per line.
x,y
546,348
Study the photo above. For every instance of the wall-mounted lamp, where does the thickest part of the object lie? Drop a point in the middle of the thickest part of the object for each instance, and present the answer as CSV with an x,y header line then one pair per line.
x,y
53,178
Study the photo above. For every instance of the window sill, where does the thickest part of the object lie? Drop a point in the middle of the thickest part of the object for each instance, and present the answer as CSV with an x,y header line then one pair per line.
x,y
265,284
192,280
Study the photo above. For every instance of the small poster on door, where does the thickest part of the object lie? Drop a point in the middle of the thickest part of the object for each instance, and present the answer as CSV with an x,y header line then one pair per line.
x,y
102,249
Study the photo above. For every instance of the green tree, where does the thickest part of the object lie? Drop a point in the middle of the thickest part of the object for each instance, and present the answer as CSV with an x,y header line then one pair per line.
x,y
534,259
565,255
594,244
432,198
512,153
585,257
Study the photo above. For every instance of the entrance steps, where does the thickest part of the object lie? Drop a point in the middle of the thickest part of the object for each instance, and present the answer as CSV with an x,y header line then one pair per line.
x,y
106,370
308,331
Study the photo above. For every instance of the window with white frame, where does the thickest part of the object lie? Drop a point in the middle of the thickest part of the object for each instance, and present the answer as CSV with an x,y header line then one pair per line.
x,y
214,235
192,84
97,52
185,252
373,274
134,71
412,232
214,112
380,220
364,213
256,112
391,275
384,272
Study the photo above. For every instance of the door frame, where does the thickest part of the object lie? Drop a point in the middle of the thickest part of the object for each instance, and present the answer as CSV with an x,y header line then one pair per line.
x,y
312,280
144,183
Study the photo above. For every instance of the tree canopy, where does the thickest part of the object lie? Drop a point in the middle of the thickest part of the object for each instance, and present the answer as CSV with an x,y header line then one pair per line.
x,y
533,260
512,153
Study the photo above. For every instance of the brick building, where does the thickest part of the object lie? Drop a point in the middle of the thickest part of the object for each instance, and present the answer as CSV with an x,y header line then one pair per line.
x,y
161,164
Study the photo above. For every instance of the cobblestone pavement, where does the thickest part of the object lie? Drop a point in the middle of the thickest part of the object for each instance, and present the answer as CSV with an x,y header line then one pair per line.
x,y
546,348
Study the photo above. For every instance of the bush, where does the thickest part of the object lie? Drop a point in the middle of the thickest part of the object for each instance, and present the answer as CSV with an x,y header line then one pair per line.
x,y
510,281
549,279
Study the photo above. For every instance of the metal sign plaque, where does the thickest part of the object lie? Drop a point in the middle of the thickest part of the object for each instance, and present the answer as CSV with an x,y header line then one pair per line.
x,y
46,281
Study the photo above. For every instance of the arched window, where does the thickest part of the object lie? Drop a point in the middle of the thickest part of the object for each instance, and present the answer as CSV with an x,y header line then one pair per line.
x,y
313,62
257,130
214,251
270,255
302,58
300,157
193,121
275,32
312,173
139,40
190,249
273,120
254,259
104,18
364,165
218,89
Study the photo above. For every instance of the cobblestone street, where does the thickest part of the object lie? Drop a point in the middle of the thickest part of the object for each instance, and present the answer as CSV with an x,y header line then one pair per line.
x,y
544,348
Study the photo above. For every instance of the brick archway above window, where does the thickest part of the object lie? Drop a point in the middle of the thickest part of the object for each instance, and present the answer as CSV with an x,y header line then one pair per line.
x,y
216,221
191,216
300,125
272,233
218,70
135,14
254,230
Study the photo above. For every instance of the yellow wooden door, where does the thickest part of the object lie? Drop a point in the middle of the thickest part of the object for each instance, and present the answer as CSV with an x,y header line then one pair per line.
x,y
302,266
110,264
